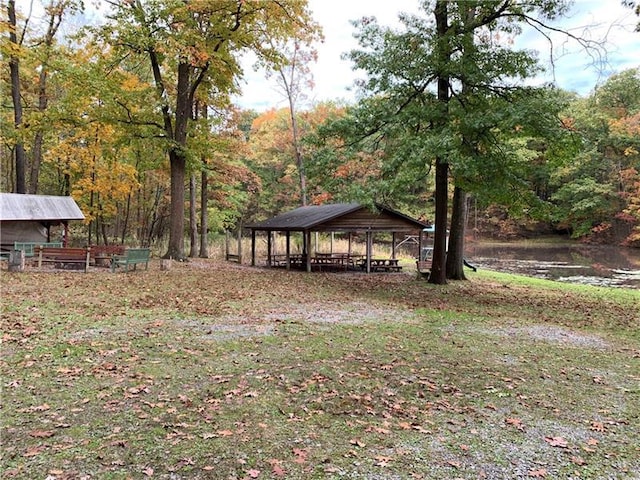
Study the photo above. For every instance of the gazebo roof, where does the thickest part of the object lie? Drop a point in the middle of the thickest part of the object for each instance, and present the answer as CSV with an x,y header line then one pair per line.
x,y
43,208
339,217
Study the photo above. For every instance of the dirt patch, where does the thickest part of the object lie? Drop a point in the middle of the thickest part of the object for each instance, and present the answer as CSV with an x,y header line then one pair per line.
x,y
224,331
551,334
349,313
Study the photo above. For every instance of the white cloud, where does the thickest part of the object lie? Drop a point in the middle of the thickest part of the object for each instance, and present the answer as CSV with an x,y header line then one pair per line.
x,y
573,68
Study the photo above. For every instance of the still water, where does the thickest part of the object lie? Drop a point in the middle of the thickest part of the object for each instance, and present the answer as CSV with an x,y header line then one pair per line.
x,y
600,265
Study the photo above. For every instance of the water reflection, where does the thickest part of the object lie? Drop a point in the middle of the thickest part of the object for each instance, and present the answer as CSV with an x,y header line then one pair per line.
x,y
568,262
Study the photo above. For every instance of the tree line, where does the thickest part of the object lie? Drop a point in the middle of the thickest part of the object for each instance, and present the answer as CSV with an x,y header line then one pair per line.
x,y
133,117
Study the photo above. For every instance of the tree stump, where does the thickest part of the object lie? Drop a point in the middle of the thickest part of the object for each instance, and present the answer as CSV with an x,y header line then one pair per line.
x,y
165,264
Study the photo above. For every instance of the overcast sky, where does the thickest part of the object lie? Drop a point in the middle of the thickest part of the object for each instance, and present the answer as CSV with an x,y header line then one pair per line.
x,y
574,69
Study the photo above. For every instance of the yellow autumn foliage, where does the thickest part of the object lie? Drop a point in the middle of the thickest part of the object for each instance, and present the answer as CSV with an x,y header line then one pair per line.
x,y
99,178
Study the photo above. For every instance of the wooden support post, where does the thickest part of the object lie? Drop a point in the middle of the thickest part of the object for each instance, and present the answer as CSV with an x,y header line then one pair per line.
x,y
253,248
288,249
369,250
307,236
239,244
393,245
268,248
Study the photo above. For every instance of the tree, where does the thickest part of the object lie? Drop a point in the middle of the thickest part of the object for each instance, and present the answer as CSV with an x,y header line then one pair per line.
x,y
270,146
595,191
293,78
32,55
44,49
458,50
14,67
191,44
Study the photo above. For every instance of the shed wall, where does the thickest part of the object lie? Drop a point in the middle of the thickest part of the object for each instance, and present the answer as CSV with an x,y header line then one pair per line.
x,y
11,232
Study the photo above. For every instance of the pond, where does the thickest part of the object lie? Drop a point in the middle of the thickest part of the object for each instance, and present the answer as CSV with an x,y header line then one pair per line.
x,y
601,265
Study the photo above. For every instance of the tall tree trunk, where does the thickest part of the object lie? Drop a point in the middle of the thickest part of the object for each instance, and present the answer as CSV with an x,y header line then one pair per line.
x,y
175,249
14,69
125,219
438,266
38,140
455,255
55,19
298,154
178,164
204,214
193,222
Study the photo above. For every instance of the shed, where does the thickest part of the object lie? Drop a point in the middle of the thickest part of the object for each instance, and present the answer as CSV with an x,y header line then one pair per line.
x,y
341,217
29,218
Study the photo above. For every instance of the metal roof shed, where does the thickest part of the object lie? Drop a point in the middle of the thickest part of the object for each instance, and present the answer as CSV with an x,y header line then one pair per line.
x,y
341,217
28,218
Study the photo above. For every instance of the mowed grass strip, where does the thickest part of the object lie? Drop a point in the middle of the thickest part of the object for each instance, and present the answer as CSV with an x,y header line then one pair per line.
x,y
218,371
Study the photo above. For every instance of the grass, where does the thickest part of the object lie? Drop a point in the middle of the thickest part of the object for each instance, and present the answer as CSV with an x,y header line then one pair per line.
x,y
213,370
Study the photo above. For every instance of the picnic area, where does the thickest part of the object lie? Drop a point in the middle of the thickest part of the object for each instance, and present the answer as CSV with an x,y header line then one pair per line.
x,y
346,218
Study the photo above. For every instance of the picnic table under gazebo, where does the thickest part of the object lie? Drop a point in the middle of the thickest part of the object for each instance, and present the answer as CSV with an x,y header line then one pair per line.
x,y
349,218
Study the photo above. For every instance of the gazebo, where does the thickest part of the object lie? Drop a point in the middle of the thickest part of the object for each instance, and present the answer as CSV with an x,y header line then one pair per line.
x,y
333,218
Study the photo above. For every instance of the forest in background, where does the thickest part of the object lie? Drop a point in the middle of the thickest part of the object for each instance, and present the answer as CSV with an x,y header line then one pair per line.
x,y
91,127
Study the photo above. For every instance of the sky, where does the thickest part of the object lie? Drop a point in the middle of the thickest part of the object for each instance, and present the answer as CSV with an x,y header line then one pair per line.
x,y
573,69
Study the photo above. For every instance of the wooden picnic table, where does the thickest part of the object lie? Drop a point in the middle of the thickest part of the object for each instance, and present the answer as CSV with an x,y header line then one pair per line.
x,y
295,260
319,261
381,265
332,261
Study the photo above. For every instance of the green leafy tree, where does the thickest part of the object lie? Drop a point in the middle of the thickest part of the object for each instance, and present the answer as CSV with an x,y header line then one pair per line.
x,y
597,187
434,80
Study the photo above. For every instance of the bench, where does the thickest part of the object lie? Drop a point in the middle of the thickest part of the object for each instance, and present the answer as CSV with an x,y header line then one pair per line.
x,y
132,256
423,267
30,248
101,254
63,257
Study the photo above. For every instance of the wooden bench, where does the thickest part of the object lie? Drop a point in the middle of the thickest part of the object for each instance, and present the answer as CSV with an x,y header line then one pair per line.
x,y
101,254
132,256
30,248
63,257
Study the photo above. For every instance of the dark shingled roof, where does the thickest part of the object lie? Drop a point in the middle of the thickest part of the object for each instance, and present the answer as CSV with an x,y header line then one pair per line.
x,y
45,208
313,216
304,218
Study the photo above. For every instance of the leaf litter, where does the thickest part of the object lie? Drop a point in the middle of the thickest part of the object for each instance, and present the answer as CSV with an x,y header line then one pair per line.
x,y
262,374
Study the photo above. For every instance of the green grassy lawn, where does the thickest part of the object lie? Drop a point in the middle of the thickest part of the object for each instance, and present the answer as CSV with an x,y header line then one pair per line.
x,y
212,370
